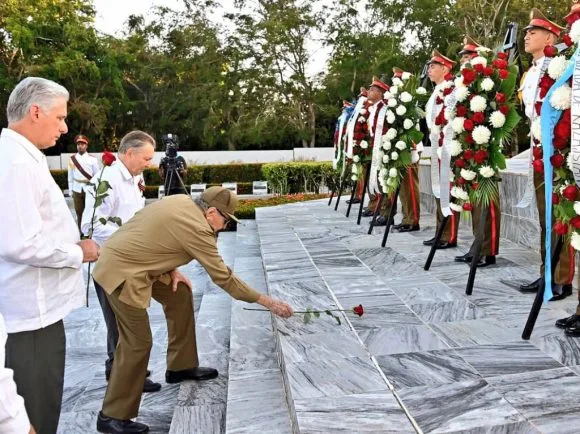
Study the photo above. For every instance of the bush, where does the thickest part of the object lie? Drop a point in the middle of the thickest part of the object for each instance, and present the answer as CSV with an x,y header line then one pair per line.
x,y
247,207
61,178
303,177
152,191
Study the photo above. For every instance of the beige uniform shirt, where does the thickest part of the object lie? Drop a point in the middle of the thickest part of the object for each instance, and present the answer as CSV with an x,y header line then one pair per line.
x,y
159,238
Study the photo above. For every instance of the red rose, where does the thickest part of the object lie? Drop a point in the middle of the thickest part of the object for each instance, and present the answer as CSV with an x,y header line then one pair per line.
x,y
500,97
461,111
460,162
469,139
108,158
358,310
461,181
502,56
575,221
479,68
448,76
447,91
468,125
557,160
560,228
488,71
555,198
560,142
500,63
562,129
537,151
469,76
467,206
468,154
474,185
545,84
570,192
550,51
478,118
504,109
567,40
503,74
480,156
538,166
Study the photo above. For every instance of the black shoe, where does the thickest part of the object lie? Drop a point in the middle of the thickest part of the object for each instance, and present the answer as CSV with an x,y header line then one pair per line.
x,y
118,426
429,242
561,292
368,212
380,221
446,245
567,322
151,386
353,201
408,228
573,330
108,374
198,374
399,226
486,261
531,287
464,258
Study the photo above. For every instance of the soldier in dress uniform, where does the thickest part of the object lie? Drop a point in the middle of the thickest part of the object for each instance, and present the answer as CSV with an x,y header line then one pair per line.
x,y
82,166
541,33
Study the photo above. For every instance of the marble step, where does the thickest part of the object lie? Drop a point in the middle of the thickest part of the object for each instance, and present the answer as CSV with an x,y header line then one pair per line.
x,y
256,397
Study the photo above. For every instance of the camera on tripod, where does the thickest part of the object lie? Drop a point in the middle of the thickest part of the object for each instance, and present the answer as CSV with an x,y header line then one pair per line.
x,y
172,168
171,143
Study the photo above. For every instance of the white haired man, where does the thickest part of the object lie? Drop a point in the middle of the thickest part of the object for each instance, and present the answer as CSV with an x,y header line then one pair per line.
x,y
40,249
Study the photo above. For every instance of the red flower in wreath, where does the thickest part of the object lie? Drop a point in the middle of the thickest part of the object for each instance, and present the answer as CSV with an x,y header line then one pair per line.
x,y
468,154
480,156
478,118
575,222
460,162
570,192
550,51
557,160
488,71
555,198
500,63
468,125
500,97
502,55
461,111
537,151
504,109
479,68
503,74
467,206
561,228
538,166
469,76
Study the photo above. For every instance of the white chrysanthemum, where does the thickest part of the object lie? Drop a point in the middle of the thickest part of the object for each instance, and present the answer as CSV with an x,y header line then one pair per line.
x,y
391,117
394,90
361,119
400,145
386,159
354,178
497,119
354,169
408,124
439,151
356,158
397,81
387,95
405,76
455,207
382,173
401,110
391,133
557,67
562,98
446,85
457,125
536,129
461,93
455,148
575,240
459,81
486,172
575,32
421,91
477,104
386,144
392,102
468,175
459,193
394,155
478,61
364,144
449,114
487,84
577,207
481,135
393,172
406,97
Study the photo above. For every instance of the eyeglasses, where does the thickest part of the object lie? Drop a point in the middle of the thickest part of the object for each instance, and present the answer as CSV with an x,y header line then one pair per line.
x,y
227,220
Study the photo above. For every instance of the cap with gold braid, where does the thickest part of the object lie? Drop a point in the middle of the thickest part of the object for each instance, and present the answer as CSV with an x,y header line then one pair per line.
x,y
437,57
539,21
397,72
469,46
378,83
574,14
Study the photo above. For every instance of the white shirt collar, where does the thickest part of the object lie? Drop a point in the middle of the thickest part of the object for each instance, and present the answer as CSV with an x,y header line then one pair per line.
x,y
538,63
123,169
25,143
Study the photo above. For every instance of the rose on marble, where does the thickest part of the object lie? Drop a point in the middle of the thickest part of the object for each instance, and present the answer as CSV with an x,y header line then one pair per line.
x,y
311,313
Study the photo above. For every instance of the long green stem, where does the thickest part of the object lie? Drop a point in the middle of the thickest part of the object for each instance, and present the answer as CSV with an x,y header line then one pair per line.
x,y
305,311
90,236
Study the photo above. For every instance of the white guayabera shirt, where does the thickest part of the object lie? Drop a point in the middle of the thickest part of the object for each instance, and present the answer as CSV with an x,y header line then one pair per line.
x,y
40,262
124,200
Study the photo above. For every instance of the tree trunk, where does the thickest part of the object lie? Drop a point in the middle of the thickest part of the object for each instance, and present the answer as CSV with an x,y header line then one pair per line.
x,y
312,122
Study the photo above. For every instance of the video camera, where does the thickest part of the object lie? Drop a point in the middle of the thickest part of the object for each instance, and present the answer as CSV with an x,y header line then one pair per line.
x,y
171,143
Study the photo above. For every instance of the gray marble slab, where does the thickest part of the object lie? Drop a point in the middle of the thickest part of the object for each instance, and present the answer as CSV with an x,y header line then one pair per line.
x,y
316,346
479,331
447,311
206,419
401,339
252,348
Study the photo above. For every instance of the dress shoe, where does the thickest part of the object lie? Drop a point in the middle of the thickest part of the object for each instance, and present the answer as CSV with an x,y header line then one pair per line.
x,y
353,201
531,287
567,322
380,221
110,425
198,374
486,261
429,242
464,258
561,292
108,374
151,386
368,212
408,228
446,245
573,330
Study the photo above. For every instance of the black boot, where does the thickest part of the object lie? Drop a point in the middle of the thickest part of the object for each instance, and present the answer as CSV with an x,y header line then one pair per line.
x,y
531,287
353,201
567,322
464,258
429,242
407,228
111,425
561,291
573,330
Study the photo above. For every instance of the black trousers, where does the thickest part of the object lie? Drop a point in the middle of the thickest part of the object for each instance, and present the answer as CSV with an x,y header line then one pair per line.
x,y
111,323
37,359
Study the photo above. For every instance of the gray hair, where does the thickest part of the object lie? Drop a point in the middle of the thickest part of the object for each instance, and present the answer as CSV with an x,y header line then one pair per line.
x,y
201,203
30,91
135,139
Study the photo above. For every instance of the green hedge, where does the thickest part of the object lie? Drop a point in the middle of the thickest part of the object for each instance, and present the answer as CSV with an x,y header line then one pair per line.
x,y
299,177
152,191
61,178
212,174
247,207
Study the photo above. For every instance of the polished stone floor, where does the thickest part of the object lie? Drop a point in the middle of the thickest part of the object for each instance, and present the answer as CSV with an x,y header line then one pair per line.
x,y
424,357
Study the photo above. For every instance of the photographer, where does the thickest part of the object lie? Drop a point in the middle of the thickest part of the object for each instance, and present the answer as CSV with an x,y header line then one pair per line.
x,y
172,168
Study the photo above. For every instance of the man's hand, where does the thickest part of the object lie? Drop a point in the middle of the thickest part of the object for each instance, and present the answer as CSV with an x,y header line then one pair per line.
x,y
90,250
177,277
32,431
277,307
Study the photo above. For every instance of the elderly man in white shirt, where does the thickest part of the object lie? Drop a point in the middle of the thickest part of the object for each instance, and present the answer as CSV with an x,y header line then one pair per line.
x,y
40,251
124,199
